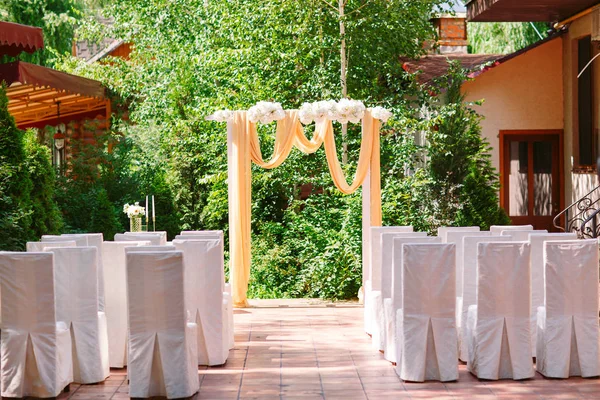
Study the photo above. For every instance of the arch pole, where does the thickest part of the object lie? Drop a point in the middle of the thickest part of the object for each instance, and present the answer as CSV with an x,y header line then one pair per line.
x,y
371,205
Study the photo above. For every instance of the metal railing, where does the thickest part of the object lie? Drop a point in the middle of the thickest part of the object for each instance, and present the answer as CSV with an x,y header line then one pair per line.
x,y
582,216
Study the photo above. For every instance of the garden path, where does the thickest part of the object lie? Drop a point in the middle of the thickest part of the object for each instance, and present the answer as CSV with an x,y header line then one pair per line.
x,y
300,349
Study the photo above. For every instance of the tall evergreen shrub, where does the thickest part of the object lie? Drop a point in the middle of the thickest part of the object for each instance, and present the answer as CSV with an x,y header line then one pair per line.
x,y
453,181
46,218
15,183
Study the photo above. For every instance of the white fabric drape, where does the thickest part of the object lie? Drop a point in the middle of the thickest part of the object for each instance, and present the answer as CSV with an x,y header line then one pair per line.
x,y
36,347
115,277
426,328
468,296
77,300
393,304
568,337
162,349
498,331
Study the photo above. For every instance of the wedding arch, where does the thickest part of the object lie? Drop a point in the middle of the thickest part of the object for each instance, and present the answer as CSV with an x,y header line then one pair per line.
x,y
243,147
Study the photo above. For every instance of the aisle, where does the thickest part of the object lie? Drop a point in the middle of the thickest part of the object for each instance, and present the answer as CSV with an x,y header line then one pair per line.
x,y
306,351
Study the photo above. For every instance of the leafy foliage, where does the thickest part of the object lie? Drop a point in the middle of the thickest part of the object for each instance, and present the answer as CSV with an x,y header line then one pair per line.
x,y
45,217
57,18
191,57
15,183
454,182
504,37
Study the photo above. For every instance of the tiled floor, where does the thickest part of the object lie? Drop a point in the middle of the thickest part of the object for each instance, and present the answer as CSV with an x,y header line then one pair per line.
x,y
310,351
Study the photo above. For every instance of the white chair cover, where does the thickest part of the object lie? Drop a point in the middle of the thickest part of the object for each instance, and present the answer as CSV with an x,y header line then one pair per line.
x,y
392,304
115,276
498,331
215,236
228,303
442,231
38,247
497,229
36,348
80,240
468,297
150,248
162,338
456,237
155,239
206,278
96,240
567,343
376,249
202,233
521,236
537,240
427,346
379,287
77,306
162,234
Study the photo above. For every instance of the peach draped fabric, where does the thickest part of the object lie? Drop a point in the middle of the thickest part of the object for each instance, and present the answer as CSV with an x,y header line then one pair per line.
x,y
244,147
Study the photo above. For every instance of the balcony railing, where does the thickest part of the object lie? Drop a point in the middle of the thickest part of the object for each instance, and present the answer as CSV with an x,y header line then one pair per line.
x,y
582,216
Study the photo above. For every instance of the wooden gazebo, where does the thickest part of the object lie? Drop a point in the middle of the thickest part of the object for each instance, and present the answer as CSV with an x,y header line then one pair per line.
x,y
40,96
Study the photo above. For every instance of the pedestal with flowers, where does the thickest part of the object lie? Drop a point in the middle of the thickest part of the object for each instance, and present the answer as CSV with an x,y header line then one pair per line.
x,y
135,213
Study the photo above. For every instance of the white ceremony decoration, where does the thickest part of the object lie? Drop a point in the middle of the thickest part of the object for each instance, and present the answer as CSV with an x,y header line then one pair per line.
x,y
347,110
266,112
381,114
316,112
243,144
221,116
343,111
134,212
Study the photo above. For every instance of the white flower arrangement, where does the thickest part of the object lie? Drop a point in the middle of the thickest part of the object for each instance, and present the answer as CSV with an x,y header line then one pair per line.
x,y
343,111
221,116
317,111
134,210
347,110
266,112
381,114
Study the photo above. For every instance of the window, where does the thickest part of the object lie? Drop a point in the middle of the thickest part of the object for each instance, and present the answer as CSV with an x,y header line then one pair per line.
x,y
585,114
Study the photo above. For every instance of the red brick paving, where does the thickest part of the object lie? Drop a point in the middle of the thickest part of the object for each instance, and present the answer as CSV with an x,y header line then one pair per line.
x,y
322,353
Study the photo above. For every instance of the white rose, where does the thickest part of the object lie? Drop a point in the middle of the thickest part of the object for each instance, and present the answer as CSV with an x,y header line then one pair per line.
x,y
266,112
221,116
381,114
306,114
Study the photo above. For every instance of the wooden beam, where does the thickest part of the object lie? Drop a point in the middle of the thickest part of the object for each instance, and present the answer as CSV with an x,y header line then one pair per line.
x,y
27,119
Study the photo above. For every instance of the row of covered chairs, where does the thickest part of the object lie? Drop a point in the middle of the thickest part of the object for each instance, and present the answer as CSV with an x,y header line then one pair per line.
x,y
160,308
483,285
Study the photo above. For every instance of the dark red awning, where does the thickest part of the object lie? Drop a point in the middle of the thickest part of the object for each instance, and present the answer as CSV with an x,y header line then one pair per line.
x,y
36,75
16,38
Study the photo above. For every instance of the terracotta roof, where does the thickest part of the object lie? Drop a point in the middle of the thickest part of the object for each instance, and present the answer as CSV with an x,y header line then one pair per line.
x,y
435,65
16,38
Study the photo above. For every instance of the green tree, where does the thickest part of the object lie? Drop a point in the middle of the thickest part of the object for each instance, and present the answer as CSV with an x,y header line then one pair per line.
x,y
454,182
57,18
504,37
191,58
15,183
46,218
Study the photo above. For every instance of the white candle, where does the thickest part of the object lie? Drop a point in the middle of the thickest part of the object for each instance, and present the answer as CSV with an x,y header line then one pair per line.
x,y
146,210
153,209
